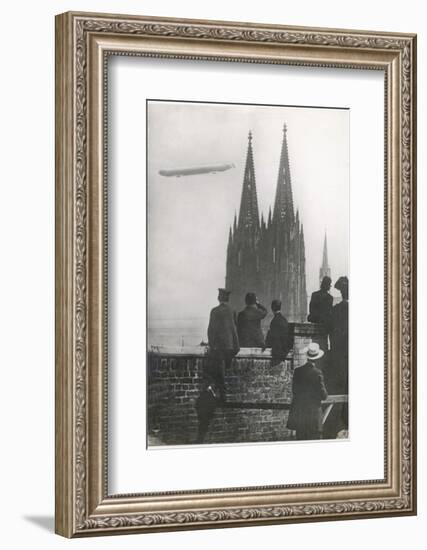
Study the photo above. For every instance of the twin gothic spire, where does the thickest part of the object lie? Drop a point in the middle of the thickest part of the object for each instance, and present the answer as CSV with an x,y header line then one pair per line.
x,y
283,209
268,256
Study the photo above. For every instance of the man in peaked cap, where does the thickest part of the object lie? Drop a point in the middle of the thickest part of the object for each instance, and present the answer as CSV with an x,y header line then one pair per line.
x,y
223,340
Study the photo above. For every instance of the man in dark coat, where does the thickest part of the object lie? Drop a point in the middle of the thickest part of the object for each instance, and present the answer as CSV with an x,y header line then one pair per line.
x,y
308,389
320,311
206,405
223,341
249,323
336,373
320,308
278,337
339,331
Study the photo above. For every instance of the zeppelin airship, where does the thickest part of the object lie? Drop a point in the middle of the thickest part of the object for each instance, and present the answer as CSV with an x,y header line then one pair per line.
x,y
194,170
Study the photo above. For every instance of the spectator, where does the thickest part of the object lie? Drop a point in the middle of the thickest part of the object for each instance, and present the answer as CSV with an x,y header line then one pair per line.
x,y
308,389
249,323
223,341
336,373
278,337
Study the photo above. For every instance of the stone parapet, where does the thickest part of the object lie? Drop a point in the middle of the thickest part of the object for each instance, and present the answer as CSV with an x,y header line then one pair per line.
x,y
176,377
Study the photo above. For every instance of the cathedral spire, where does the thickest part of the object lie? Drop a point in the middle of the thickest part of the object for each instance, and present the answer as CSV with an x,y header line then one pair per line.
x,y
284,204
325,270
230,237
325,253
268,257
248,215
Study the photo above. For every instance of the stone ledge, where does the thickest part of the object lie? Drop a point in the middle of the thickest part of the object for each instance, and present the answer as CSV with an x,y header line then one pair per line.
x,y
304,330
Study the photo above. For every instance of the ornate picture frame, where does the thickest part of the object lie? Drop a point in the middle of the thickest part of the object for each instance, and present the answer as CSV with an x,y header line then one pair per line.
x,y
84,42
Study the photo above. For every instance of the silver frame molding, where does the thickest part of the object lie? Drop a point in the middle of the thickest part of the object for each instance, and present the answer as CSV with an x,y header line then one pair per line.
x,y
83,43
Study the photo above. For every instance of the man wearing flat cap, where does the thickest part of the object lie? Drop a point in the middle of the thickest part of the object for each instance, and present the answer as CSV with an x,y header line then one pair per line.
x,y
223,341
308,391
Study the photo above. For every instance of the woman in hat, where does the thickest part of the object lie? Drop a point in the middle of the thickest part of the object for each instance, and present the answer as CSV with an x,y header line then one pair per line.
x,y
308,389
336,373
339,341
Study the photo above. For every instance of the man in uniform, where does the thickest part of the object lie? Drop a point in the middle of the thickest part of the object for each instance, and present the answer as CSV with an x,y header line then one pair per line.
x,y
223,341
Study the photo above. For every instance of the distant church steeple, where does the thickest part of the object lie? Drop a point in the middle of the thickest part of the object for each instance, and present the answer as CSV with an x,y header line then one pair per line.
x,y
325,270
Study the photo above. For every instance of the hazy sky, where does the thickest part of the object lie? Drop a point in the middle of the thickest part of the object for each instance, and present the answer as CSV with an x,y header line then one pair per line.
x,y
189,217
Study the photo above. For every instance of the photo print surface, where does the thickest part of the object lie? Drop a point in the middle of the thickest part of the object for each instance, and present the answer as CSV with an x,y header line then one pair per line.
x,y
247,273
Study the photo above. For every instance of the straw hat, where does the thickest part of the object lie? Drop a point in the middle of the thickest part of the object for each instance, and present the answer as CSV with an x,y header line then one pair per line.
x,y
314,352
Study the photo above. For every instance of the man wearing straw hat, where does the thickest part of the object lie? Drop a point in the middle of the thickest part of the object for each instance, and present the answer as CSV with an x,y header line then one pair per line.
x,y
308,389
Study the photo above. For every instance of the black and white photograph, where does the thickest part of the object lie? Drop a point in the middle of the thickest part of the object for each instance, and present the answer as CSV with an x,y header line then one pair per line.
x,y
189,189
247,273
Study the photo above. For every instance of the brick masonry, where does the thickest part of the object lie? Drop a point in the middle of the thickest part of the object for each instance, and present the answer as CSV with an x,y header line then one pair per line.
x,y
176,378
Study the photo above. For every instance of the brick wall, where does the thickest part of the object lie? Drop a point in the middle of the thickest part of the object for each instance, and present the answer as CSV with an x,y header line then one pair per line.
x,y
176,378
